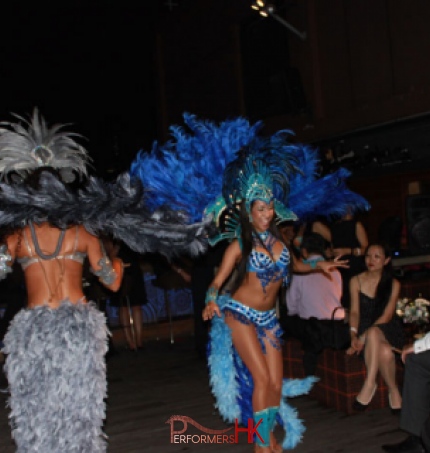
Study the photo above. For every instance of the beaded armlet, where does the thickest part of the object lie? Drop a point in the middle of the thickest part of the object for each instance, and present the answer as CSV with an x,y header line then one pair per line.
x,y
106,273
314,262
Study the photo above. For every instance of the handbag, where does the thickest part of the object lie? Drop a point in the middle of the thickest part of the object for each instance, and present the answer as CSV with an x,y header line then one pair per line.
x,y
334,333
341,338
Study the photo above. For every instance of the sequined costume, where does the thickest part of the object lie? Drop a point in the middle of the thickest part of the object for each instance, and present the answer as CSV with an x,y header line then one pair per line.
x,y
265,268
231,381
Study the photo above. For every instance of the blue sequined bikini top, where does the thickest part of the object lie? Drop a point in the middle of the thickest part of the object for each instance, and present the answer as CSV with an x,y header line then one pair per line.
x,y
268,270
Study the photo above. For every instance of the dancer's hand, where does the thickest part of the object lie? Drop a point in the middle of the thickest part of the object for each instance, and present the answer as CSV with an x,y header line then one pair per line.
x,y
328,266
210,310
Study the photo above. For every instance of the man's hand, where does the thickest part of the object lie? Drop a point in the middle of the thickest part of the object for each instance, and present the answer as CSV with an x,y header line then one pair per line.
x,y
408,349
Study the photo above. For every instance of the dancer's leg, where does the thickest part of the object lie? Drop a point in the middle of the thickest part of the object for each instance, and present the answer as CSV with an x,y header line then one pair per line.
x,y
275,366
247,345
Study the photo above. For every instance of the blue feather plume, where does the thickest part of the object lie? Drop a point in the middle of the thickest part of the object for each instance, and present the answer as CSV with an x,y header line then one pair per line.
x,y
222,370
186,172
312,196
203,159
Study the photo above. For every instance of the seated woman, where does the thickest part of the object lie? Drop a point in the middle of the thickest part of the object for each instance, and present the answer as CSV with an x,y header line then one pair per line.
x,y
375,329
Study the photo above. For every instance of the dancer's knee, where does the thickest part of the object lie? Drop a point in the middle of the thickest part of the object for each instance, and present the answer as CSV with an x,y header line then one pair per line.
x,y
262,380
276,387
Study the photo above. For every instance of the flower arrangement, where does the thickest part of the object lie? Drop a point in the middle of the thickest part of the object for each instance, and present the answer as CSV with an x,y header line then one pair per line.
x,y
413,311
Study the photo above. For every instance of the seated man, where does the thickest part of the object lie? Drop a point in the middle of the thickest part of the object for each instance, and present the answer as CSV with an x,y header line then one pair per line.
x,y
313,299
415,413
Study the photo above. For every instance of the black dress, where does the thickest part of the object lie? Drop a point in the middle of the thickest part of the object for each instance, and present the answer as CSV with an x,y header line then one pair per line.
x,y
370,312
132,290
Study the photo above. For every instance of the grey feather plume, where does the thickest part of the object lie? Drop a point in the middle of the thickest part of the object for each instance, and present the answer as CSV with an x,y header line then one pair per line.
x,y
114,208
29,144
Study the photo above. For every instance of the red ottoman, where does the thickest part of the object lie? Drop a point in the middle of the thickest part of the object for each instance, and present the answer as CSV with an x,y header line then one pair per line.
x,y
341,377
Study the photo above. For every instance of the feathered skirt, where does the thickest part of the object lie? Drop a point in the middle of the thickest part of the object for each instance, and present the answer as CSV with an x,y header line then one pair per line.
x,y
230,379
57,378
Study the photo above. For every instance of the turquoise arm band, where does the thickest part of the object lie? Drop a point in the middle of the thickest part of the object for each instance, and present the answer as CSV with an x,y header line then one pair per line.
x,y
313,262
211,295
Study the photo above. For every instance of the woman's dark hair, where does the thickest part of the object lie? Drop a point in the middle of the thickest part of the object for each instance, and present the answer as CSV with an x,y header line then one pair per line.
x,y
5,232
46,180
314,243
247,239
385,285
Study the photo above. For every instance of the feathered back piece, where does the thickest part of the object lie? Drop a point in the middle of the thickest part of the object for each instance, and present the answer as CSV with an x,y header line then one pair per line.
x,y
208,169
186,172
114,208
28,145
313,196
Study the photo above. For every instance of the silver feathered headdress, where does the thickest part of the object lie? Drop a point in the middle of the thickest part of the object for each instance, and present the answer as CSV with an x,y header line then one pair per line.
x,y
28,145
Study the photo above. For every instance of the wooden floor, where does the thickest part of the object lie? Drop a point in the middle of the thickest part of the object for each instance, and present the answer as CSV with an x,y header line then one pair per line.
x,y
148,387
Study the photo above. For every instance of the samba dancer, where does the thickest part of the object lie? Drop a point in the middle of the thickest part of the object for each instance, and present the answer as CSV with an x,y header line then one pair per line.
x,y
55,348
265,176
246,318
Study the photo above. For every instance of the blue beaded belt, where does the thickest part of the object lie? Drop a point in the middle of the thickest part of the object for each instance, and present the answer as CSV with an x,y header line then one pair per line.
x,y
263,320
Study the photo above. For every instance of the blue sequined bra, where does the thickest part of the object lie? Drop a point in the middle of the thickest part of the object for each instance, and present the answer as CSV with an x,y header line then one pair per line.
x,y
268,270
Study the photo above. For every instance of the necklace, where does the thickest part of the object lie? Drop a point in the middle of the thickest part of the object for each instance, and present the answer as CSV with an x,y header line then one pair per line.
x,y
263,236
267,239
37,247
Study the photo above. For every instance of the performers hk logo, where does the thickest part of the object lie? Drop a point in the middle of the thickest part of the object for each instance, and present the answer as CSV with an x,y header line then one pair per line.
x,y
210,436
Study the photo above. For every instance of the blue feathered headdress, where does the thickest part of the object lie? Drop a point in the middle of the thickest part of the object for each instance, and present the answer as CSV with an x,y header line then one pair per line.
x,y
199,173
186,172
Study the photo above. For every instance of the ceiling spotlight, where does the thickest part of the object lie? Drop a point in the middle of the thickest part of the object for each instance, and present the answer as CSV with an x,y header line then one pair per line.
x,y
270,8
266,10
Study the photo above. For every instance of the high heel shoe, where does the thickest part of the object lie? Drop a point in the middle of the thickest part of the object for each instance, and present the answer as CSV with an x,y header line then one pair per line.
x,y
394,410
359,406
